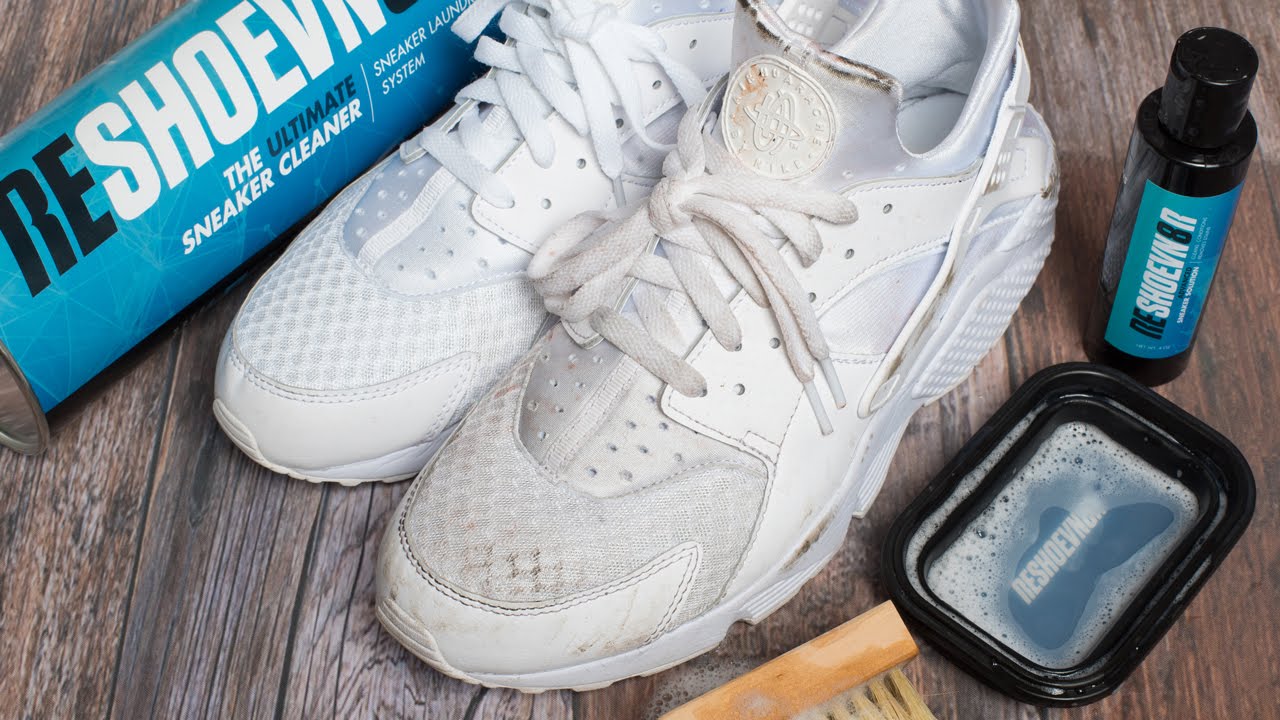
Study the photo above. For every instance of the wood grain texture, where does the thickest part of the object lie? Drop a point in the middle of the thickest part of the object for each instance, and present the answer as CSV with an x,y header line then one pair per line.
x,y
150,570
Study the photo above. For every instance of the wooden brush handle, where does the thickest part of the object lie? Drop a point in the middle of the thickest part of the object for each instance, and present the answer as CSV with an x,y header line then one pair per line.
x,y
823,668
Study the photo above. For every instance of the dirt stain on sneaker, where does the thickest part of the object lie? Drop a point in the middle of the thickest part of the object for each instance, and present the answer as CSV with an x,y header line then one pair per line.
x,y
752,94
809,540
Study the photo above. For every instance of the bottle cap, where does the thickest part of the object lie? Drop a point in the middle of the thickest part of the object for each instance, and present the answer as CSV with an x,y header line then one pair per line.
x,y
1206,95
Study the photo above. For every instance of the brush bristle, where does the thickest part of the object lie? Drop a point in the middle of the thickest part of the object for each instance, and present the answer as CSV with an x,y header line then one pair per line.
x,y
887,697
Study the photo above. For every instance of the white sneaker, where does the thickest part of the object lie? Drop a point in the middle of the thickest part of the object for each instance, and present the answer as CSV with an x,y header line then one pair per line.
x,y
688,448
358,352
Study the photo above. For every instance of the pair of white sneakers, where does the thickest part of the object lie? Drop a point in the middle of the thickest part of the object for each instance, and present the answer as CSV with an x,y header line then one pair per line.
x,y
845,226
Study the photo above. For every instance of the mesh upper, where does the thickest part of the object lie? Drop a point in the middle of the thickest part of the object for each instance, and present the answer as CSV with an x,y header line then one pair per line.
x,y
318,321
488,521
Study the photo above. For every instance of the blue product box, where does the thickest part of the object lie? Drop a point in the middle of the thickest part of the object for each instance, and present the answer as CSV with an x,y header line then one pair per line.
x,y
182,158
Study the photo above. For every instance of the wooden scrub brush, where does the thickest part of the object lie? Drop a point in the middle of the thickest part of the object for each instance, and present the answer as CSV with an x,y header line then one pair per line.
x,y
850,673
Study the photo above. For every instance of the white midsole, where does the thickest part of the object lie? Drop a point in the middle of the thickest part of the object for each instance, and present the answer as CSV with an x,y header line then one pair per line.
x,y
400,465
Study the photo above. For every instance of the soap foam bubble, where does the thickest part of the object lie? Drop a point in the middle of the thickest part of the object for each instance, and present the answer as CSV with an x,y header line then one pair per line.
x,y
1082,471
696,677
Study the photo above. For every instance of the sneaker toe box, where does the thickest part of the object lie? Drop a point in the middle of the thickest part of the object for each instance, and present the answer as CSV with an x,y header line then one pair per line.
x,y
328,374
385,431
495,569
529,646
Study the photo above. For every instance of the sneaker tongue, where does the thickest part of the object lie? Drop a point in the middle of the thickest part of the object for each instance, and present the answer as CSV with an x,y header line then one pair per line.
x,y
794,112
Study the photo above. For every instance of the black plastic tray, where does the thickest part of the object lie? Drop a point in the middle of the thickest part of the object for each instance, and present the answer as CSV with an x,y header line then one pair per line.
x,y
1148,425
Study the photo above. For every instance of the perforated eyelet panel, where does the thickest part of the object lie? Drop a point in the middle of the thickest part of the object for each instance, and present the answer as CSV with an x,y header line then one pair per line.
x,y
565,377
448,250
393,186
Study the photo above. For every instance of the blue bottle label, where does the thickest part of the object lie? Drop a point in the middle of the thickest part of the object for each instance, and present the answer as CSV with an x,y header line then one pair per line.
x,y
1177,241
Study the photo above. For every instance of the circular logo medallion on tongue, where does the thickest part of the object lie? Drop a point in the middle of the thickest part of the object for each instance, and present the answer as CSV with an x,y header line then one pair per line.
x,y
777,119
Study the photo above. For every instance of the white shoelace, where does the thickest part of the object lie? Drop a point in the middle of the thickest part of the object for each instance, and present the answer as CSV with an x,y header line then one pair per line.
x,y
707,209
572,56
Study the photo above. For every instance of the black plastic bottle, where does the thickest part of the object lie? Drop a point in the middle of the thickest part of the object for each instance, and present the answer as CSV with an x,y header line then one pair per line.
x,y
1187,162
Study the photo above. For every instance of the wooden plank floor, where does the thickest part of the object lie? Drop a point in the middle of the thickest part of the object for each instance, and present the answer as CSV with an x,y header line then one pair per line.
x,y
147,569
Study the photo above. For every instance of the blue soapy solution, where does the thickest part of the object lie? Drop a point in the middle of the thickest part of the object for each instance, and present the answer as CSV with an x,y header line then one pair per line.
x,y
1049,565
